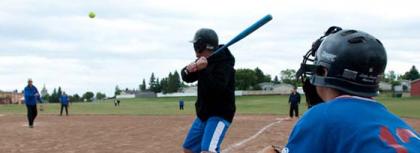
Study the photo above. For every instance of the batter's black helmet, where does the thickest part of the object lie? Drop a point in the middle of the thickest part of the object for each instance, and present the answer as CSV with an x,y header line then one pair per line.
x,y
205,39
354,61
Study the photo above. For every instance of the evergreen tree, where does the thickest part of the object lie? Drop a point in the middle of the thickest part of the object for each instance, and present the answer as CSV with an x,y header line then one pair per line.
x,y
59,92
164,85
152,81
171,83
153,84
143,85
177,81
54,97
413,74
276,80
117,91
158,86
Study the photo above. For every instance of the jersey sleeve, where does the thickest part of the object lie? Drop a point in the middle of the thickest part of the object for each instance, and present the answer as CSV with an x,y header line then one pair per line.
x,y
188,77
310,133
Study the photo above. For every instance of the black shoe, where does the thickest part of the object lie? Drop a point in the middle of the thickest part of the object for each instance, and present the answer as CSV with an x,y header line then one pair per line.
x,y
31,126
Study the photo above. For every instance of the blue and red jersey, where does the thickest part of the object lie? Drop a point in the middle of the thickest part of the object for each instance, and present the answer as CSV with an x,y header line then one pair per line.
x,y
352,125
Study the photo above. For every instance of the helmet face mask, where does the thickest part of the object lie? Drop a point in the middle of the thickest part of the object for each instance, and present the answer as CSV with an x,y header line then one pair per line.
x,y
354,62
308,68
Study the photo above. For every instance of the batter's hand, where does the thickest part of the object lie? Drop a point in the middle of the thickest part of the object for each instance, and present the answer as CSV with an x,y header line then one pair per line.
x,y
191,68
201,63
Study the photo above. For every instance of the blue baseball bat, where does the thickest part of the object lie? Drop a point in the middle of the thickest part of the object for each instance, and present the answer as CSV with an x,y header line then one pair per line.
x,y
246,32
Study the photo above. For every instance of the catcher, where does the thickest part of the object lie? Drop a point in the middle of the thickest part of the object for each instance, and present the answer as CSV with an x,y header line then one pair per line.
x,y
341,84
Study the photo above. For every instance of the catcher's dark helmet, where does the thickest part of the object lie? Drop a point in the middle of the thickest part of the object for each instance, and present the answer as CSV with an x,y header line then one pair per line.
x,y
354,61
205,39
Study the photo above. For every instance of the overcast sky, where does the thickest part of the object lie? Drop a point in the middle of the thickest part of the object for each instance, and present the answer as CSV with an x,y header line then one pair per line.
x,y
57,44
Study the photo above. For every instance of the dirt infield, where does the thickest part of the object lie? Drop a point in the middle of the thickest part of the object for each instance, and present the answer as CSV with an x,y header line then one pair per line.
x,y
134,134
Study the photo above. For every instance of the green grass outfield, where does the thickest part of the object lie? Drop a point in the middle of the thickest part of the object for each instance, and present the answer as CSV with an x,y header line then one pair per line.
x,y
257,105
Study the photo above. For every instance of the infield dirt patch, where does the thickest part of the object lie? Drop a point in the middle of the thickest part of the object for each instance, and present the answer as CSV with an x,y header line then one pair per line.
x,y
134,134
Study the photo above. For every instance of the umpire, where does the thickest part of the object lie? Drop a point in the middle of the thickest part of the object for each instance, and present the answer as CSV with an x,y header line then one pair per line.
x,y
294,101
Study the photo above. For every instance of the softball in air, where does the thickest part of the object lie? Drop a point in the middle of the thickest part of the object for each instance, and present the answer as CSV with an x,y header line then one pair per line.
x,y
92,15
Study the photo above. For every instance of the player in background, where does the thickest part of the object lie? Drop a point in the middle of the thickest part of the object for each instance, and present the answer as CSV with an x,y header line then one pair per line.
x,y
116,102
64,100
31,96
181,104
294,101
215,105
344,77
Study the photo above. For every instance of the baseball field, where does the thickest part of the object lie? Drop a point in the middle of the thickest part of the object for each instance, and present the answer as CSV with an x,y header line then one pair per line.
x,y
156,125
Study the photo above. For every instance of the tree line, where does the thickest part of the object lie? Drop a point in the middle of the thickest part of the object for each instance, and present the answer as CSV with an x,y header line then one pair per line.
x,y
246,79
89,96
249,79
171,83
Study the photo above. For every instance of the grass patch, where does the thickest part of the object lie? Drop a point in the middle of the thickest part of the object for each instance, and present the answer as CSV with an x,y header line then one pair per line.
x,y
257,105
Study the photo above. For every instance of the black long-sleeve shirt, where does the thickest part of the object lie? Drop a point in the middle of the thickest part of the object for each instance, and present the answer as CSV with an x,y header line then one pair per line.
x,y
216,87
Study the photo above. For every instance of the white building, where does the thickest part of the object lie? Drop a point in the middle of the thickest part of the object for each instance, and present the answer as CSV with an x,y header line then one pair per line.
x,y
383,86
276,88
406,84
126,94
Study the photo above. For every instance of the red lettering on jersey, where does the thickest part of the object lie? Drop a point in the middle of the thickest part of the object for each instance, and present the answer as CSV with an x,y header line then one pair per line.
x,y
405,135
388,138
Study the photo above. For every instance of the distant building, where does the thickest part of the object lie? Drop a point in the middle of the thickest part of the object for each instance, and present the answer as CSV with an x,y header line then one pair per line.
x,y
384,86
13,97
148,94
127,94
415,88
191,89
185,92
267,86
135,94
282,88
406,85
